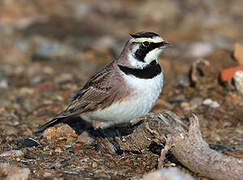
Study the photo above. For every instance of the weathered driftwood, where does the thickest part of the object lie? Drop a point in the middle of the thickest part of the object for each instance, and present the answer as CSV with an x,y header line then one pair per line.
x,y
185,143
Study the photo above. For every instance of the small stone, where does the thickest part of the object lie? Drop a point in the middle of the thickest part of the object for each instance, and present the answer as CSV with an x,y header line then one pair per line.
x,y
200,49
61,131
168,173
26,91
48,70
3,84
16,173
195,102
85,138
84,160
238,53
183,81
12,153
37,79
53,50
215,104
211,103
47,174
112,148
238,78
65,77
94,165
207,101
58,150
29,142
4,167
185,106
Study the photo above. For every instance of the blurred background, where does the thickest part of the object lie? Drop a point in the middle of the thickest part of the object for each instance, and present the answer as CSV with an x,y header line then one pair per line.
x,y
49,48
43,36
31,29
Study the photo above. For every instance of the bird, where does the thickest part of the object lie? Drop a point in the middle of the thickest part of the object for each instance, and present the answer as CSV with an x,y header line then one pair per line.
x,y
126,88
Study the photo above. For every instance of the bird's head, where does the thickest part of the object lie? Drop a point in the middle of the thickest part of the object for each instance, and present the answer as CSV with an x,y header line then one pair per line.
x,y
144,47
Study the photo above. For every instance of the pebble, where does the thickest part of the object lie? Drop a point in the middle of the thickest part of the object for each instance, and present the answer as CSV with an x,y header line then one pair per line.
x,y
94,165
81,11
85,138
16,173
65,77
24,91
12,153
37,79
4,167
52,50
168,173
185,106
84,160
195,102
61,131
238,79
199,49
3,82
211,103
47,174
29,142
183,81
13,172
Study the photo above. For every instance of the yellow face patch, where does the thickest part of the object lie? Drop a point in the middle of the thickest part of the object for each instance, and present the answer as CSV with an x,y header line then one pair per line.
x,y
156,39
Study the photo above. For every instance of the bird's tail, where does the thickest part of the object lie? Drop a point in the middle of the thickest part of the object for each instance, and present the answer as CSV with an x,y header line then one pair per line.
x,y
50,123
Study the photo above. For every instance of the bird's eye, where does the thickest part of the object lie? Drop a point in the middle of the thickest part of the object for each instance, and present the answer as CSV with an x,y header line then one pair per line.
x,y
145,43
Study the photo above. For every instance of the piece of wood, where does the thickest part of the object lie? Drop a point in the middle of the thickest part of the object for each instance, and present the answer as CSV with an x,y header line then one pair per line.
x,y
187,145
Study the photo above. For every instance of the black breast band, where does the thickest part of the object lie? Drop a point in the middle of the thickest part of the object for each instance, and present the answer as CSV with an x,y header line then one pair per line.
x,y
148,72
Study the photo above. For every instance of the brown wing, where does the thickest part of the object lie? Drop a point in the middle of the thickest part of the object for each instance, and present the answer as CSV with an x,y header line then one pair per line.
x,y
95,94
98,93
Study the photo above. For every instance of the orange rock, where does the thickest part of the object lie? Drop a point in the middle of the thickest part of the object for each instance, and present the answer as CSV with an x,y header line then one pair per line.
x,y
60,131
94,165
227,74
238,53
184,104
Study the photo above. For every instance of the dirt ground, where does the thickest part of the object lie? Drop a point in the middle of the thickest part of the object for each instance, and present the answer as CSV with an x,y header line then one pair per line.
x,y
49,48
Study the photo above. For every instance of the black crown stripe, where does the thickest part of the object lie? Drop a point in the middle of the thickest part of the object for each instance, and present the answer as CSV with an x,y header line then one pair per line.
x,y
144,35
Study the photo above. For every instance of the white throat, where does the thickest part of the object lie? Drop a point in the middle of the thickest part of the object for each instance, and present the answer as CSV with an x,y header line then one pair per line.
x,y
153,55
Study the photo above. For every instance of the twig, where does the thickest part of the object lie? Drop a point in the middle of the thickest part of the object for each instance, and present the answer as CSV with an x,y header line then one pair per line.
x,y
168,146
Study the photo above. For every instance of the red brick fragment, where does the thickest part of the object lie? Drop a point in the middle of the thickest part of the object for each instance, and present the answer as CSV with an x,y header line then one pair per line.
x,y
227,74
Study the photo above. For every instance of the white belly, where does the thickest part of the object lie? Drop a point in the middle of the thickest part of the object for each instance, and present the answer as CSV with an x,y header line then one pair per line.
x,y
145,94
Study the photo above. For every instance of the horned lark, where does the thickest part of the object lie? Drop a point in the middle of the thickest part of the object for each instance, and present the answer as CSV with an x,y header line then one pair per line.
x,y
126,88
